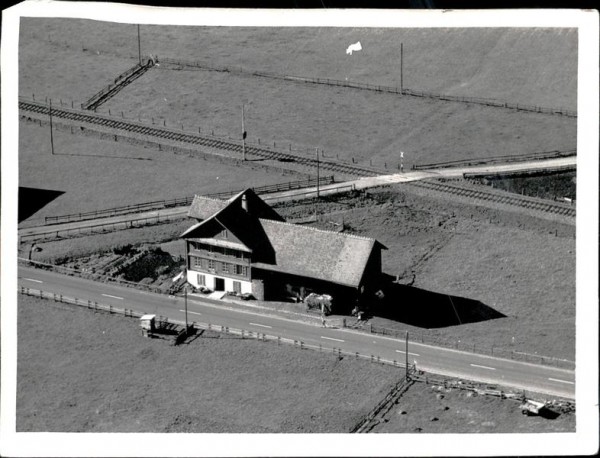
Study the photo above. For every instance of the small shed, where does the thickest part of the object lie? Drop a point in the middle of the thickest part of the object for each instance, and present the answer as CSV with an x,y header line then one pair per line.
x,y
531,407
147,323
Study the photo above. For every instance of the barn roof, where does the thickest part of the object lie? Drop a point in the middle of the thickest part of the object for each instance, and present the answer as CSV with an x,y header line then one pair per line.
x,y
326,255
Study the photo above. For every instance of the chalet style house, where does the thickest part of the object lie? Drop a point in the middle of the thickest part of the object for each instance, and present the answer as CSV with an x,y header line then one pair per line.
x,y
242,245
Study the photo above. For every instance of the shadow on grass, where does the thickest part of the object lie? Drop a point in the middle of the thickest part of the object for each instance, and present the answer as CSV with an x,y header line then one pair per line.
x,y
428,309
548,414
32,200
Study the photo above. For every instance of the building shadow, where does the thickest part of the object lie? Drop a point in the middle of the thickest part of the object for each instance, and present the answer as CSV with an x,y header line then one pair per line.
x,y
429,309
32,200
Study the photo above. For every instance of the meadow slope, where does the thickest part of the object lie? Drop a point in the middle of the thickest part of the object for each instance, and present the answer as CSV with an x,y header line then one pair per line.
x,y
529,65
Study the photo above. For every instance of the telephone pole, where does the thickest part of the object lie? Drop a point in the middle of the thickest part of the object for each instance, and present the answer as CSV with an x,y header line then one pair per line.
x,y
243,135
51,133
318,189
139,45
401,67
185,302
406,354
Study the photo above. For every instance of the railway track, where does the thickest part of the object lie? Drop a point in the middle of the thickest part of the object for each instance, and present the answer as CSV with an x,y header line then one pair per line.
x,y
509,199
192,139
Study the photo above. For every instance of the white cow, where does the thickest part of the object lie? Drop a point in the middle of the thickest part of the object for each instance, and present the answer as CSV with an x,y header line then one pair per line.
x,y
354,47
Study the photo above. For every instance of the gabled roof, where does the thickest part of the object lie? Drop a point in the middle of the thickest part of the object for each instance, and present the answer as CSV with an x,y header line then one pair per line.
x,y
204,207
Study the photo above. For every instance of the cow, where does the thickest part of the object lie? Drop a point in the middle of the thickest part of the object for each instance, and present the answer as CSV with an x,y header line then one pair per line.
x,y
354,47
323,302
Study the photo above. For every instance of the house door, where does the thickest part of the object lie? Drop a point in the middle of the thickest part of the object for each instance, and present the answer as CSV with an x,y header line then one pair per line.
x,y
219,284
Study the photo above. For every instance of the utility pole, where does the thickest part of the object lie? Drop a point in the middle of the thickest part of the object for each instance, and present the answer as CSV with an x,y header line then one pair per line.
x,y
139,45
243,135
401,161
185,302
51,133
406,354
401,67
318,176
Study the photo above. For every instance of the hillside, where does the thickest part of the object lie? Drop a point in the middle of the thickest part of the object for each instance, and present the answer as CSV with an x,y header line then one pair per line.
x,y
530,65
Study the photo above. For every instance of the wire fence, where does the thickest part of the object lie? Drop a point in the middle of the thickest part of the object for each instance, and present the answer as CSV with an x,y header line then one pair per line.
x,y
490,102
126,222
336,352
102,277
492,350
416,336
183,201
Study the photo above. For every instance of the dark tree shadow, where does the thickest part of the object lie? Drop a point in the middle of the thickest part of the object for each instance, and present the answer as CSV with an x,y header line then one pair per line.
x,y
428,309
32,200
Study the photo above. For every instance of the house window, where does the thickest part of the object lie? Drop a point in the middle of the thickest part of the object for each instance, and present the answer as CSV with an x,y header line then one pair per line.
x,y
201,280
241,270
211,264
225,268
197,262
237,286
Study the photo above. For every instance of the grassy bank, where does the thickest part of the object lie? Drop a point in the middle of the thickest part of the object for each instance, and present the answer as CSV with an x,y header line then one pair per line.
x,y
100,375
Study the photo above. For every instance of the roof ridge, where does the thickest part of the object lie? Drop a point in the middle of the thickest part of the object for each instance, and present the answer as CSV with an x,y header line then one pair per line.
x,y
315,229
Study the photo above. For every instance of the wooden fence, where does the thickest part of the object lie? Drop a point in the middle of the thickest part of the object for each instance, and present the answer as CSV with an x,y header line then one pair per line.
x,y
98,277
123,78
496,159
492,350
182,201
242,333
379,88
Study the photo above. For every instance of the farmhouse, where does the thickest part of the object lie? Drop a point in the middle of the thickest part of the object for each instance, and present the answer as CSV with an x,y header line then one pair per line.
x,y
243,245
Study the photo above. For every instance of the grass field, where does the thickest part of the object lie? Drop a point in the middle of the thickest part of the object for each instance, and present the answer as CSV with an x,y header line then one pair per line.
x,y
531,65
347,123
73,59
108,378
100,375
96,174
433,409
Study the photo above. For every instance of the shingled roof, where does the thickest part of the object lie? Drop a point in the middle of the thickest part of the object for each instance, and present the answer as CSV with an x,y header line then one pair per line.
x,y
326,255
284,247
204,207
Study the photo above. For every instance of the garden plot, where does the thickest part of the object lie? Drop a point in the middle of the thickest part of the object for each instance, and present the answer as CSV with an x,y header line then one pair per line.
x,y
145,264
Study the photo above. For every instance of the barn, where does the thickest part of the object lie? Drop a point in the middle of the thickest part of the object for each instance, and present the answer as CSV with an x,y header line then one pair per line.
x,y
242,245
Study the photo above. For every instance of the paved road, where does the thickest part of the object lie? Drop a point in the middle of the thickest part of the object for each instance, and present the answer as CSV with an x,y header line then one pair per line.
x,y
438,360
363,183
